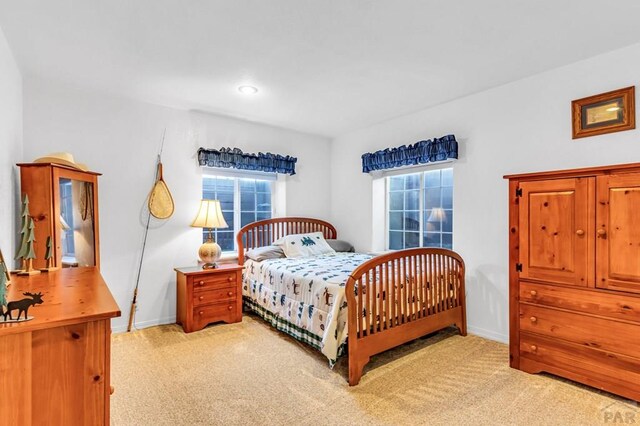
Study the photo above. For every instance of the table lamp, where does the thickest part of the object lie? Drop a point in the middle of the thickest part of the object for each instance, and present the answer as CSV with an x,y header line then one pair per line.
x,y
209,217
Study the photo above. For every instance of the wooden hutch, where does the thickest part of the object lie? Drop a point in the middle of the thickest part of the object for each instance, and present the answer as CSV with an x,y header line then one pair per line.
x,y
63,202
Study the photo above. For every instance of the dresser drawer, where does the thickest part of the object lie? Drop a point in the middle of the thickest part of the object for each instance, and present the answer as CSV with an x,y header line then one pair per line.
x,y
207,297
601,333
619,371
219,280
593,302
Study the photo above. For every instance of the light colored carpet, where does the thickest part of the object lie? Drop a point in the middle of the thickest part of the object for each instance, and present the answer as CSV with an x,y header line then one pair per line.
x,y
248,373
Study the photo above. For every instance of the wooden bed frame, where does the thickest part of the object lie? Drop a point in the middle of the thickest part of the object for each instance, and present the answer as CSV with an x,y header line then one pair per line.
x,y
406,294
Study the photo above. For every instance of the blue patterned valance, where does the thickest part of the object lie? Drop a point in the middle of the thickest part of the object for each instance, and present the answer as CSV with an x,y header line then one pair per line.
x,y
235,158
421,152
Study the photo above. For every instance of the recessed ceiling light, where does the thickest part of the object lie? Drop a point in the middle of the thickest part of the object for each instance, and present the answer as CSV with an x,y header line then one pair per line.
x,y
248,90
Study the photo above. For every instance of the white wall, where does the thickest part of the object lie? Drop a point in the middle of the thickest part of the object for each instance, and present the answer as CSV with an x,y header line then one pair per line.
x,y
524,126
10,148
120,138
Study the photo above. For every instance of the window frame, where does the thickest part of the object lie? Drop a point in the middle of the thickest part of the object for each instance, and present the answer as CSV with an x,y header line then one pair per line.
x,y
236,175
421,170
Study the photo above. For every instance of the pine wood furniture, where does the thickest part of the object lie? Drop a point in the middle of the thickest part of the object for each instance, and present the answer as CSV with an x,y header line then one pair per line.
x,y
575,275
55,368
206,296
42,183
391,299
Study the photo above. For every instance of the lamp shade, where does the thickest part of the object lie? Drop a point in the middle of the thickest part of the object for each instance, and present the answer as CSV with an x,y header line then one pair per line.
x,y
63,224
209,215
437,215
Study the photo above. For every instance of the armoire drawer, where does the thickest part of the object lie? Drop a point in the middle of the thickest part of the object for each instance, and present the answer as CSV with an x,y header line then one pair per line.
x,y
588,331
620,306
618,370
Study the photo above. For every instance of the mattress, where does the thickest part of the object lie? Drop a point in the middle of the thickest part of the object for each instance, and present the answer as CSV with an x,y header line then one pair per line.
x,y
304,297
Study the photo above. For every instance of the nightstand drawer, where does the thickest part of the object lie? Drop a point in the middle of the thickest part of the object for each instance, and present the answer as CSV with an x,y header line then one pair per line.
x,y
206,297
217,312
220,280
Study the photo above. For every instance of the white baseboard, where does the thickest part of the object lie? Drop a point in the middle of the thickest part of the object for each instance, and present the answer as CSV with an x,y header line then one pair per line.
x,y
488,334
138,325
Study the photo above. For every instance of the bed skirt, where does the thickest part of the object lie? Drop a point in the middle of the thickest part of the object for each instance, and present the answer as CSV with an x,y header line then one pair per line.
x,y
289,328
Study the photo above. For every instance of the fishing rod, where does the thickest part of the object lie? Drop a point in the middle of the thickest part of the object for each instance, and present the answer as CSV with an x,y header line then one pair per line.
x,y
146,233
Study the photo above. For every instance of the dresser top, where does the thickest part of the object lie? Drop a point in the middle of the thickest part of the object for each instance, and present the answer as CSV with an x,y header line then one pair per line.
x,y
70,296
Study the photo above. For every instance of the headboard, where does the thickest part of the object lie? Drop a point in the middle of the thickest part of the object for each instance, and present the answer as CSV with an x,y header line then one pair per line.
x,y
264,232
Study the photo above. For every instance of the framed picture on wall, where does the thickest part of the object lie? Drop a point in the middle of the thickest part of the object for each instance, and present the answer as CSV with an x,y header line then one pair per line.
x,y
605,113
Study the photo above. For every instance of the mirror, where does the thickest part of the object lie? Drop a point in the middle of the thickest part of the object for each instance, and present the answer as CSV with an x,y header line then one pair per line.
x,y
77,223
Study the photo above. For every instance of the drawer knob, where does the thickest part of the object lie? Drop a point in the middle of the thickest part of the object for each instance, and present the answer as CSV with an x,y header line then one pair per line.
x,y
534,293
230,279
230,307
602,233
230,294
534,348
201,298
533,319
580,232
200,283
201,313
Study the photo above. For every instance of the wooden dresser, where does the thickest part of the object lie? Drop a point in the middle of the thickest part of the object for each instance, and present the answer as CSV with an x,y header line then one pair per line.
x,y
575,275
55,368
208,295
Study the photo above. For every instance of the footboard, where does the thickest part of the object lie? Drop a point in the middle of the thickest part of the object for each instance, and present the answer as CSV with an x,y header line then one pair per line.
x,y
398,297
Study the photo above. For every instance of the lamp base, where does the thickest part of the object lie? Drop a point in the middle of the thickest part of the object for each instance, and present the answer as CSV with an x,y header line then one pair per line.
x,y
210,266
209,253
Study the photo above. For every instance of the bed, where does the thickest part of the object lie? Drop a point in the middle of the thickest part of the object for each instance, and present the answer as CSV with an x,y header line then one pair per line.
x,y
362,303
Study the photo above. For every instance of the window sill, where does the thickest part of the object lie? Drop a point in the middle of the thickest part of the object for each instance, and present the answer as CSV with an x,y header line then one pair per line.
x,y
229,257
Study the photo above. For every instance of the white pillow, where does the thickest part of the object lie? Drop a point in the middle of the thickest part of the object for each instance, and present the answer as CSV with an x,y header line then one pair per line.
x,y
304,245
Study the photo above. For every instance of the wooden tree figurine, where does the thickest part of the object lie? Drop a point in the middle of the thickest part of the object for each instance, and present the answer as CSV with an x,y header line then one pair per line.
x,y
27,252
49,257
24,229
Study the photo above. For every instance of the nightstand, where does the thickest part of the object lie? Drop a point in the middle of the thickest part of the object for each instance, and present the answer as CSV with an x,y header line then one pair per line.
x,y
208,295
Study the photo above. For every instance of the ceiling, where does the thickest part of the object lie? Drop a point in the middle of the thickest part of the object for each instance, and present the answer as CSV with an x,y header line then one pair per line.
x,y
324,67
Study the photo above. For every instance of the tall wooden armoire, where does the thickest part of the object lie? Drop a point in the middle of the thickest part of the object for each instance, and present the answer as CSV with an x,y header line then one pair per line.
x,y
575,275
63,202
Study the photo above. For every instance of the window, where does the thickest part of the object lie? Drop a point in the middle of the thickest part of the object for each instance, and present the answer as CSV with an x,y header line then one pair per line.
x,y
420,210
66,218
243,201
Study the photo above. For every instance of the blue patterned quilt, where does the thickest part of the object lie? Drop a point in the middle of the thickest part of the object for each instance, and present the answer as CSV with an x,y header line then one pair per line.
x,y
304,296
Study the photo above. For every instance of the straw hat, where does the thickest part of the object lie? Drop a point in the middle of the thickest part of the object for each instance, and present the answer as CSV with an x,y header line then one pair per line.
x,y
63,158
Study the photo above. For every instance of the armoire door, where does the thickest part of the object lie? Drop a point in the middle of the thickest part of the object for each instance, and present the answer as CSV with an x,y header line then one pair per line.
x,y
556,229
618,232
